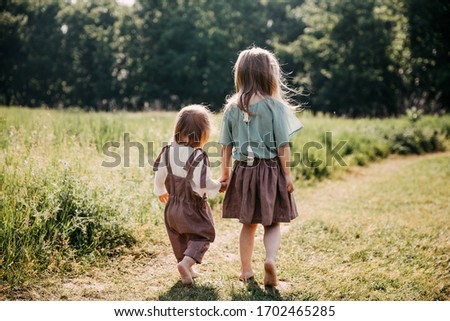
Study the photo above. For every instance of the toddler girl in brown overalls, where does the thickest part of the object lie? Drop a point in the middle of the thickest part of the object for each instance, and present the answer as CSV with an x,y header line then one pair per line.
x,y
182,182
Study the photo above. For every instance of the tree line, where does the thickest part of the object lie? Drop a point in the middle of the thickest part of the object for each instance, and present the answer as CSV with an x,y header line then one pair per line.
x,y
347,57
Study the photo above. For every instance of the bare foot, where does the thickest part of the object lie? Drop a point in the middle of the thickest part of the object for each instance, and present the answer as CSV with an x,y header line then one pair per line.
x,y
194,273
270,274
185,274
244,276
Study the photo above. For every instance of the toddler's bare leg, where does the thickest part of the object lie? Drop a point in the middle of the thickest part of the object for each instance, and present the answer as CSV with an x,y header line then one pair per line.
x,y
246,242
184,268
272,238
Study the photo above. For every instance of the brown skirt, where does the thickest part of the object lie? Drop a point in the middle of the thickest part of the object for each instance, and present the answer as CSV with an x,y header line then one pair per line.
x,y
258,194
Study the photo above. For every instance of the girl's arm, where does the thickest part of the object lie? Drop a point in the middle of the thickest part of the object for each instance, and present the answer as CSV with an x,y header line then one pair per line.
x,y
225,166
284,154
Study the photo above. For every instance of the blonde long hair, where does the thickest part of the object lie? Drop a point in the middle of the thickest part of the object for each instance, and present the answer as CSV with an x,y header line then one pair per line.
x,y
257,71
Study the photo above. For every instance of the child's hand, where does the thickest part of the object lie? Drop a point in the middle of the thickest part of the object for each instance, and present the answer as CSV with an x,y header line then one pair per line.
x,y
164,198
290,183
224,179
223,187
223,183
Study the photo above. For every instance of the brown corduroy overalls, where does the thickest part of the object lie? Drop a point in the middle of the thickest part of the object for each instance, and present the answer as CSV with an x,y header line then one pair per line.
x,y
187,215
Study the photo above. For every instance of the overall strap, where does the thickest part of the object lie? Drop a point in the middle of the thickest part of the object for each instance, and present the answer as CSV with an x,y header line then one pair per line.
x,y
193,162
165,151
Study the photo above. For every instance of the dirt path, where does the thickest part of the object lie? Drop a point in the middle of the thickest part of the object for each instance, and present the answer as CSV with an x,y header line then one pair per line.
x,y
327,191
140,275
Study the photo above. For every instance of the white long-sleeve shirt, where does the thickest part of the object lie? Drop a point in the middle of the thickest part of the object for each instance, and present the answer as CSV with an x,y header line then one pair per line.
x,y
178,156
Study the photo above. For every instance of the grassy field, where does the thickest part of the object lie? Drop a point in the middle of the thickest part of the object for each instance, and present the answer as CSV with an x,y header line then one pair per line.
x,y
97,233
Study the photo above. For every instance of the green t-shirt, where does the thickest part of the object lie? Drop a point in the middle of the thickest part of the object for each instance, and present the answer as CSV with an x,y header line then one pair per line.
x,y
271,125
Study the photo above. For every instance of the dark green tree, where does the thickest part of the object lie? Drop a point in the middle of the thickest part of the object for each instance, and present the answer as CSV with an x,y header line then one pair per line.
x,y
429,25
357,58
345,55
11,59
187,48
30,48
87,50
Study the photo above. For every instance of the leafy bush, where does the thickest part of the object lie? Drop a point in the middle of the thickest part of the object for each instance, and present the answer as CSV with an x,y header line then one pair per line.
x,y
416,141
367,140
414,114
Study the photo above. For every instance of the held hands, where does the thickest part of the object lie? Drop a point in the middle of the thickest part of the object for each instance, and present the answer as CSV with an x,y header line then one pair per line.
x,y
164,198
223,187
223,184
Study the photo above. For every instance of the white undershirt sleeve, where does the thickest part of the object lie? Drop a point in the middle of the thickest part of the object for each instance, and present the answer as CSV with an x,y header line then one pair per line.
x,y
160,177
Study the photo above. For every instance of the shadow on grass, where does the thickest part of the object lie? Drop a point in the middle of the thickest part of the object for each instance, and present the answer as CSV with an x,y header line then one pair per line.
x,y
253,292
178,292
250,291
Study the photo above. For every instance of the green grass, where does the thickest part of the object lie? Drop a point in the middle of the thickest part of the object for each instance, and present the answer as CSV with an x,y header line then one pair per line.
x,y
386,239
61,211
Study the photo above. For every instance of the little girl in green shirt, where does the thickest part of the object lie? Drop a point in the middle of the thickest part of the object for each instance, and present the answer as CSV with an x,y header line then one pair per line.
x,y
257,124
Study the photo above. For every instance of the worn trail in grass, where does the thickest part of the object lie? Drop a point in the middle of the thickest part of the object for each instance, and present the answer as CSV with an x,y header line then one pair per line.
x,y
380,232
